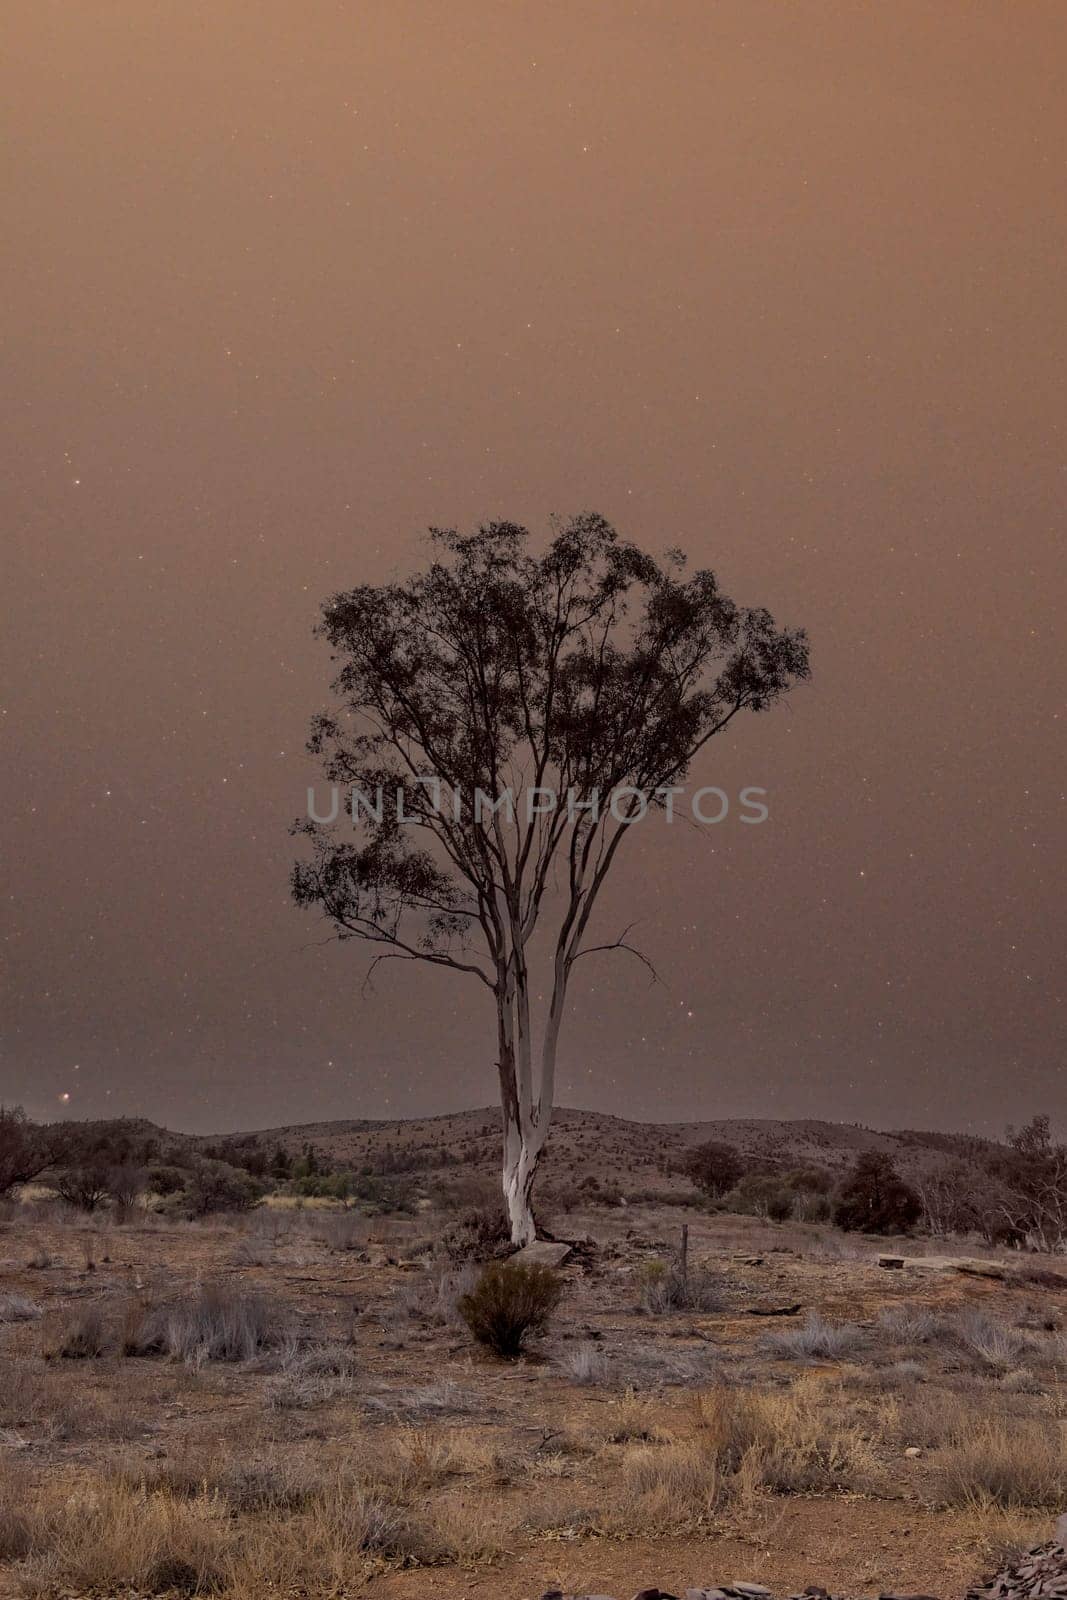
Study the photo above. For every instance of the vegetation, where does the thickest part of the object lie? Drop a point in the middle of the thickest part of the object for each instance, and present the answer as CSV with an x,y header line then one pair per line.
x,y
875,1198
508,1303
592,673
714,1167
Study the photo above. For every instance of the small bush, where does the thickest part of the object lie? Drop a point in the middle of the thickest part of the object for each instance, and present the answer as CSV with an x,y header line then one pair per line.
x,y
798,1441
508,1303
670,1488
478,1235
16,1535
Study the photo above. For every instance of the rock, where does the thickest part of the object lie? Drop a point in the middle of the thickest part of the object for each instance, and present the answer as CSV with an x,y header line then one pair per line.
x,y
971,1266
541,1253
913,1452
772,1311
756,1590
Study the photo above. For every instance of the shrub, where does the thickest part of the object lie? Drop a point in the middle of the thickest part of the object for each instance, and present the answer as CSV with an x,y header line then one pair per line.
x,y
508,1303
85,1185
164,1180
992,1344
875,1198
214,1186
668,1488
798,1441
714,1167
479,1234
761,1194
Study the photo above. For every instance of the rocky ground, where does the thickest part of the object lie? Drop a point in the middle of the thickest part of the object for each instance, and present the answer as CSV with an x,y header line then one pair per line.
x,y
1040,1572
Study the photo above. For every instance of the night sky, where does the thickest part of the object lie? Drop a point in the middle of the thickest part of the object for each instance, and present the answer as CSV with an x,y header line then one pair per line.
x,y
780,284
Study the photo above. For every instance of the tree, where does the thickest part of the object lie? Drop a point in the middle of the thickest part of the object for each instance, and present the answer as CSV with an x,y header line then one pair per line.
x,y
875,1199
524,710
714,1167
1033,1179
25,1150
86,1184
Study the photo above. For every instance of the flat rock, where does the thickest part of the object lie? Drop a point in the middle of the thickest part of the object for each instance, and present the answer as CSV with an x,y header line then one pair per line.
x,y
541,1253
972,1266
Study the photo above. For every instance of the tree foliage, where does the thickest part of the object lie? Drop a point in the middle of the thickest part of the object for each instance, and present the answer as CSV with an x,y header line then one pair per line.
x,y
875,1199
714,1166
26,1150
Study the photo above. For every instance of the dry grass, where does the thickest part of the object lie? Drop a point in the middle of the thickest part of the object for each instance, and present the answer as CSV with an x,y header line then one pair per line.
x,y
17,1308
664,1287
790,1441
1009,1465
585,1364
80,1334
666,1490
815,1340
107,1536
325,1417
217,1324
227,1528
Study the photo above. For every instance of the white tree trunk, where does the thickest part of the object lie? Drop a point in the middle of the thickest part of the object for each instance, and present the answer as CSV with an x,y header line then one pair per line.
x,y
525,1132
527,1106
519,1170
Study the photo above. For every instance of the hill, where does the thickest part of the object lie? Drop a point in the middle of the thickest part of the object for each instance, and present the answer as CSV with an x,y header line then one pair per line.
x,y
613,1149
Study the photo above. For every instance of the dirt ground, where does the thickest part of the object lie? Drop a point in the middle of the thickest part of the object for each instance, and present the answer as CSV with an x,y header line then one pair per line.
x,y
534,1468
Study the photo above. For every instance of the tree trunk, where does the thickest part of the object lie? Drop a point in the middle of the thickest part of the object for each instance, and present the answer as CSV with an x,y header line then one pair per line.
x,y
525,1131
520,1165
527,1109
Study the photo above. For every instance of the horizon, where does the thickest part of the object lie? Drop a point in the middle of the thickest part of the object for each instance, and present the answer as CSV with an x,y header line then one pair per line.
x,y
493,1112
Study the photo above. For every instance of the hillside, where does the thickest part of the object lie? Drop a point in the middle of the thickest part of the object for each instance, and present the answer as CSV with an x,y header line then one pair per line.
x,y
612,1148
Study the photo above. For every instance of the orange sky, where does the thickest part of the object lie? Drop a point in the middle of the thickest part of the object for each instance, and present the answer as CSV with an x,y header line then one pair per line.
x,y
781,284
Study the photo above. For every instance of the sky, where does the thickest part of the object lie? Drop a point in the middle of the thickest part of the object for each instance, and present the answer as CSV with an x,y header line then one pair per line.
x,y
782,285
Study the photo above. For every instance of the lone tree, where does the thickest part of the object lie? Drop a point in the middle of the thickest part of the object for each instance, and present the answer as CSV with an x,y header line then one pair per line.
x,y
504,717
714,1167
